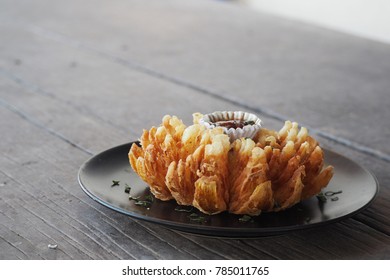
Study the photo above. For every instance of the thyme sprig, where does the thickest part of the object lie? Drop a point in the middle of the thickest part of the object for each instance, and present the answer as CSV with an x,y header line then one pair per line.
x,y
321,197
115,183
246,219
184,209
197,218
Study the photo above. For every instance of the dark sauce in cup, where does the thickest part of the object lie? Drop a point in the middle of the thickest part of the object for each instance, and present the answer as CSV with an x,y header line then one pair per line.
x,y
234,123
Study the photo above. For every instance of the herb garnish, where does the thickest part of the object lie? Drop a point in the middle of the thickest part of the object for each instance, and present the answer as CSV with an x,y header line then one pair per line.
x,y
249,123
330,193
145,202
324,197
115,183
196,218
245,219
321,197
184,209
136,199
149,198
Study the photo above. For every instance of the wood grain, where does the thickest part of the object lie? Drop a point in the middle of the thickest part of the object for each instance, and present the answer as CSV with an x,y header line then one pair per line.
x,y
69,89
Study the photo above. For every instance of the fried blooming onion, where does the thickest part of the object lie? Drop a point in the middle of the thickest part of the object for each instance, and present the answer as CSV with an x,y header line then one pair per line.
x,y
200,167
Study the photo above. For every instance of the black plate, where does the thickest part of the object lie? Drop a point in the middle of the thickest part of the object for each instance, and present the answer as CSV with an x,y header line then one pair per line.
x,y
359,187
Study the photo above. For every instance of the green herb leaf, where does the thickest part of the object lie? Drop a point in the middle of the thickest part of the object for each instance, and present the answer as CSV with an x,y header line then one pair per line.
x,y
134,198
321,197
196,218
127,189
115,183
184,209
143,203
149,198
199,220
146,201
249,123
245,219
331,193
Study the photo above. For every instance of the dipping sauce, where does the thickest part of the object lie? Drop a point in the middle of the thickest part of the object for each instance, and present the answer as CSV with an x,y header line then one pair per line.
x,y
234,123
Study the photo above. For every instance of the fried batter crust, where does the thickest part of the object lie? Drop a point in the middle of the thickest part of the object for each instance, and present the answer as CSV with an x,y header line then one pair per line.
x,y
200,167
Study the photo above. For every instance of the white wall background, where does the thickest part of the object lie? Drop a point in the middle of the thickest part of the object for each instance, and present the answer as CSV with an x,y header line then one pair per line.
x,y
365,18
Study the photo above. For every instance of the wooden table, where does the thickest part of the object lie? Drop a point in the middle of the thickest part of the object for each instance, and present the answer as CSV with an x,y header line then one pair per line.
x,y
79,77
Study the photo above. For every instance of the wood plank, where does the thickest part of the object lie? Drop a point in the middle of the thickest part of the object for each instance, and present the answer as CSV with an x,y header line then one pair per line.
x,y
319,66
346,240
40,241
31,166
8,251
62,203
19,243
53,207
52,150
377,215
120,137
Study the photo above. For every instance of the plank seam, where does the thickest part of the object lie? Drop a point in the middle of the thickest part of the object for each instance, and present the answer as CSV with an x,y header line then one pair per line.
x,y
208,92
38,124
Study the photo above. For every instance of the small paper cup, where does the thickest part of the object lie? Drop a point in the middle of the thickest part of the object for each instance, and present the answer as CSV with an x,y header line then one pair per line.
x,y
236,124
